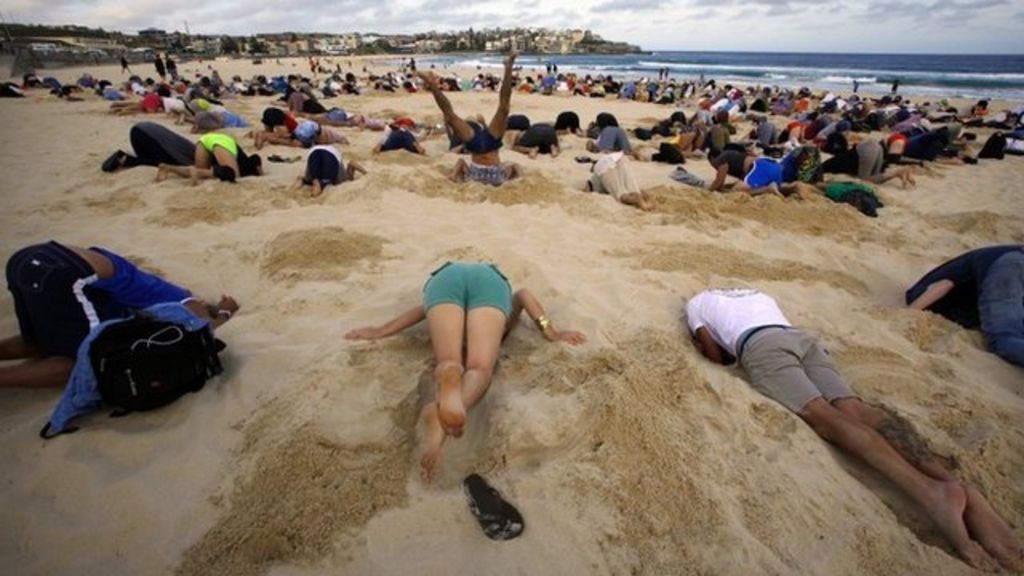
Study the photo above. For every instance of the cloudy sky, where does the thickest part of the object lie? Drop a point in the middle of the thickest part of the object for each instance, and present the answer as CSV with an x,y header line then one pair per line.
x,y
935,26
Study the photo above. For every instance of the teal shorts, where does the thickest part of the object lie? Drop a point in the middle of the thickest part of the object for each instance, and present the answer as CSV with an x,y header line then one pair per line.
x,y
469,285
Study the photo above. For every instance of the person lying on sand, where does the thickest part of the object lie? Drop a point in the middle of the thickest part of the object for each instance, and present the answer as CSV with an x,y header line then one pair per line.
x,y
792,367
757,175
62,292
325,167
613,175
469,308
217,156
153,144
482,142
399,137
984,289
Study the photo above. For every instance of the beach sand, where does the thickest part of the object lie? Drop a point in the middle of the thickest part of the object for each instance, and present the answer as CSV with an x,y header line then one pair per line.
x,y
628,455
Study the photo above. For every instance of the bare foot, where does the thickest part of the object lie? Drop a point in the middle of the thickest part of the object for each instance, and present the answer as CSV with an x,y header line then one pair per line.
x,y
432,441
161,173
948,503
994,534
451,411
317,189
533,153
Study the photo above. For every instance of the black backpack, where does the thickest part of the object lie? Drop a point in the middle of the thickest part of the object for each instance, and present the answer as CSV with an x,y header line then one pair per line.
x,y
142,363
995,147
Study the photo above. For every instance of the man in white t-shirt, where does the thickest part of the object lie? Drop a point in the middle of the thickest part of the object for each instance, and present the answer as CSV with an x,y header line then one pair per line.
x,y
793,368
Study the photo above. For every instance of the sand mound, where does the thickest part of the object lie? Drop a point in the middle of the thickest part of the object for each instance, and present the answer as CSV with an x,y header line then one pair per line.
x,y
318,254
709,261
985,225
218,203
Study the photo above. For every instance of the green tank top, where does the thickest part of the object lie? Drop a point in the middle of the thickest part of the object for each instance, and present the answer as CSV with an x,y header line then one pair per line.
x,y
210,141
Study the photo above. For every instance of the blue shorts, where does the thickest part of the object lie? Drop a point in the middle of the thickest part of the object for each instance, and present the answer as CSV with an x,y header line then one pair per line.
x,y
232,120
399,140
482,141
764,172
468,285
54,300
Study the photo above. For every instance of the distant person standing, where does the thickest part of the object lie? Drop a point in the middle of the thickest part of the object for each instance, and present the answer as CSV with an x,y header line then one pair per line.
x,y
161,71
172,68
895,86
856,85
124,65
412,65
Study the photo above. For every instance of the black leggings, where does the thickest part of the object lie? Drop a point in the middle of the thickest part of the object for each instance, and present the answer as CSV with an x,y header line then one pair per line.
x,y
148,151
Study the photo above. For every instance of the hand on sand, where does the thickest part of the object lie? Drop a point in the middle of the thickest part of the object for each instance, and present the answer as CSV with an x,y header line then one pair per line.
x,y
366,333
571,336
228,303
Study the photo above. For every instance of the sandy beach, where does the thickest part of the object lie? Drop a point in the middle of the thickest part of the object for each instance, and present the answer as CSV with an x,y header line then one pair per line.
x,y
628,455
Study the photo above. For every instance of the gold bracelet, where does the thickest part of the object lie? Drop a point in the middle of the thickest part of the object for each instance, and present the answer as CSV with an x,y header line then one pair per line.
x,y
542,322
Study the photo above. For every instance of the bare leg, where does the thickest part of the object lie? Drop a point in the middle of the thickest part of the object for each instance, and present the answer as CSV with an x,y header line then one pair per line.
x,y
484,329
52,372
983,522
513,171
460,172
317,189
447,324
352,169
944,502
462,130
500,121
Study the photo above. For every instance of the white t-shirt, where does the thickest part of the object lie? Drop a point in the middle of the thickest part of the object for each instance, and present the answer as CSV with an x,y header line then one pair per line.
x,y
727,314
174,104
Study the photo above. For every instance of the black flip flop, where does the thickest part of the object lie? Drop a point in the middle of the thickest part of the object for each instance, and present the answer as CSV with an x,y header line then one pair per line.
x,y
114,162
498,519
585,159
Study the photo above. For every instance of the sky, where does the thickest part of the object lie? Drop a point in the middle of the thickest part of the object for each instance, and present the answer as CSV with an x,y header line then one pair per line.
x,y
885,26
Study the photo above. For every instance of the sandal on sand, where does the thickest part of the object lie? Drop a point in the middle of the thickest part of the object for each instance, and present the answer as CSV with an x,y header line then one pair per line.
x,y
114,162
498,519
585,159
282,159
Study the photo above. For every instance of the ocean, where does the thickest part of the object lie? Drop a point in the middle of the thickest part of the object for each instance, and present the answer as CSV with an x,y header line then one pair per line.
x,y
961,76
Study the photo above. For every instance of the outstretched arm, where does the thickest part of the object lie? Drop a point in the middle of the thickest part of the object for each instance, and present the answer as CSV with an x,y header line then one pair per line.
x,y
935,292
525,300
404,320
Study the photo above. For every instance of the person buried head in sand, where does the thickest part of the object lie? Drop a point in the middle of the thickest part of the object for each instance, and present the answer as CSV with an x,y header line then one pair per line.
x,y
793,368
983,289
62,292
468,307
482,142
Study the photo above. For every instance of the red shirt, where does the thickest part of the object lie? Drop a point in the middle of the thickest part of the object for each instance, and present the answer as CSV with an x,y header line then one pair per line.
x,y
152,103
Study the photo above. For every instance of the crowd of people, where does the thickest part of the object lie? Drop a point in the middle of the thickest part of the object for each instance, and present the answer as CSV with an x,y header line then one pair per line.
x,y
63,293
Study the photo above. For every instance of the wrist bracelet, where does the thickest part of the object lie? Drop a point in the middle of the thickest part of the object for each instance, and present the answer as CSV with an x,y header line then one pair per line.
x,y
542,322
228,313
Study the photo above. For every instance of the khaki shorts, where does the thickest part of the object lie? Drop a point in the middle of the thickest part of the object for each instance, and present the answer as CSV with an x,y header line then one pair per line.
x,y
792,367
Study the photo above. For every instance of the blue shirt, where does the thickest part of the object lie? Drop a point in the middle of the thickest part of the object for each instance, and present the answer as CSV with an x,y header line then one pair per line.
x,y
130,287
82,395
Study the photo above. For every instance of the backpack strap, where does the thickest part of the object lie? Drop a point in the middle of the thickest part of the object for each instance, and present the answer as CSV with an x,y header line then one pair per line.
x,y
45,432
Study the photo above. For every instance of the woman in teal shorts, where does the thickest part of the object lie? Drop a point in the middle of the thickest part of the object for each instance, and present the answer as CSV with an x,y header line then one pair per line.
x,y
468,306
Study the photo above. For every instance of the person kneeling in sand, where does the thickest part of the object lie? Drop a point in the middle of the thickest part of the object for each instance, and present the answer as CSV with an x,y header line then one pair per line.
x,y
62,292
539,138
757,175
325,167
217,156
482,142
984,289
469,308
792,367
612,175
